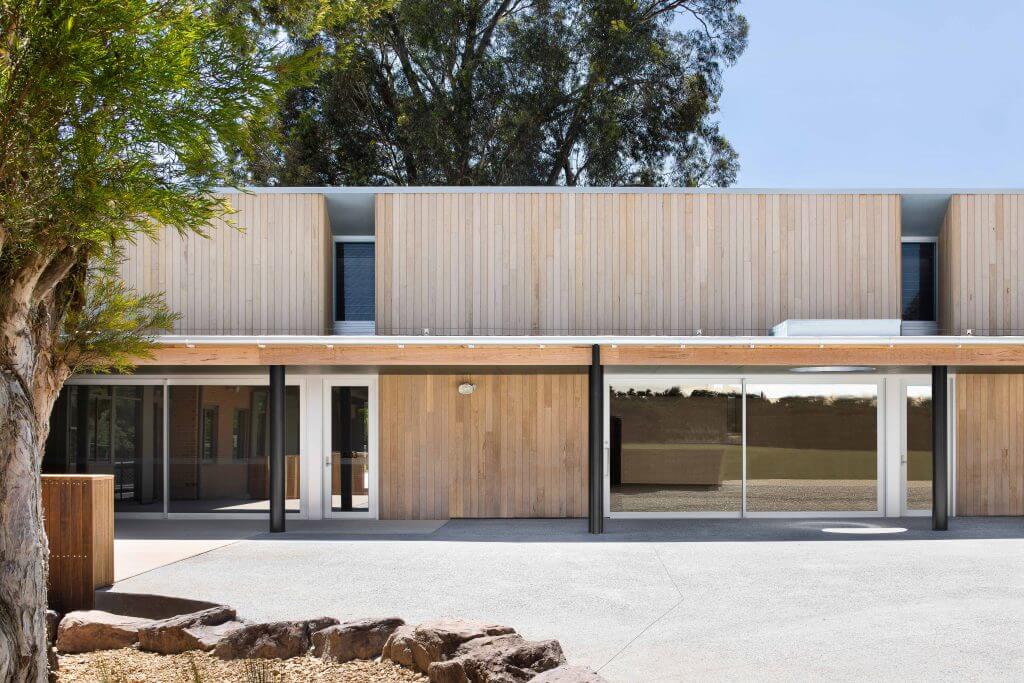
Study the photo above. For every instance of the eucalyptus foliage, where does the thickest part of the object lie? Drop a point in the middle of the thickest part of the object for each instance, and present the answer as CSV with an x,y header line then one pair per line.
x,y
514,92
117,118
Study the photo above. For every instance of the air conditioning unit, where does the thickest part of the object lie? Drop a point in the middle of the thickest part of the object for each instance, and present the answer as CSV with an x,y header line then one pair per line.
x,y
864,327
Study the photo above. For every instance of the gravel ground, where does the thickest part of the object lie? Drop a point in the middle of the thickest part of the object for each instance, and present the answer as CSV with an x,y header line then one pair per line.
x,y
134,666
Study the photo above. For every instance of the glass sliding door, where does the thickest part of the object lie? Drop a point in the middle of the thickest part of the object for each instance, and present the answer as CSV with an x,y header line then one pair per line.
x,y
812,447
917,448
220,449
350,441
114,429
675,447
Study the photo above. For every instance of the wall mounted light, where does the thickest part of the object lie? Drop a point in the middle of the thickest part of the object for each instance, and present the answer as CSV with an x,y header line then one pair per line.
x,y
466,388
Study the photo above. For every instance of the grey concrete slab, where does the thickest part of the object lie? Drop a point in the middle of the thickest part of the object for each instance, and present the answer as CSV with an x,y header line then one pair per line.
x,y
663,600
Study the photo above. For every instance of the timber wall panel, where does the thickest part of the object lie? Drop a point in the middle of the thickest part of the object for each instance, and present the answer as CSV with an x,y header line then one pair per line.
x,y
270,276
631,263
516,447
981,253
990,444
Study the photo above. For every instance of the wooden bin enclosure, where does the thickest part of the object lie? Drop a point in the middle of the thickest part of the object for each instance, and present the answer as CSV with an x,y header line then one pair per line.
x,y
78,511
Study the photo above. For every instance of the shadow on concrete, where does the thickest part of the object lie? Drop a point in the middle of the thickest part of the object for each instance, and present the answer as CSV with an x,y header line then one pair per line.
x,y
686,531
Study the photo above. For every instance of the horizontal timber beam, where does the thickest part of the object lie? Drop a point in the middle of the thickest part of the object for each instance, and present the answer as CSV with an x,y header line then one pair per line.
x,y
576,351
319,354
814,354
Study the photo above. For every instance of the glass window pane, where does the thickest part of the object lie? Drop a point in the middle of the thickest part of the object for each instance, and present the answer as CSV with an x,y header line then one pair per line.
x,y
919,448
676,447
89,424
350,449
354,281
812,447
918,268
214,467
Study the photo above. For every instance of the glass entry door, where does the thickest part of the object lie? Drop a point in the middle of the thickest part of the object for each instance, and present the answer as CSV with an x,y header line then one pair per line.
x,y
350,477
916,456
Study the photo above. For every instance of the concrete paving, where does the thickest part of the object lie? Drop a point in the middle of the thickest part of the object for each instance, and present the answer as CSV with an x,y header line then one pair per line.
x,y
662,600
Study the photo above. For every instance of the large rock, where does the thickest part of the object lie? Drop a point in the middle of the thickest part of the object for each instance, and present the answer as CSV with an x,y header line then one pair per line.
x,y
498,659
91,630
272,640
419,646
361,639
569,674
200,630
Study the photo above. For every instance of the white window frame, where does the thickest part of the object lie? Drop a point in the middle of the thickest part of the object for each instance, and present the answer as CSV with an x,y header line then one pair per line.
x,y
879,380
249,379
371,383
350,326
935,284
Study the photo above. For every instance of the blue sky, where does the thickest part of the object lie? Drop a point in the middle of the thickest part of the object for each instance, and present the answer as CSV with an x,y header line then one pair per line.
x,y
865,93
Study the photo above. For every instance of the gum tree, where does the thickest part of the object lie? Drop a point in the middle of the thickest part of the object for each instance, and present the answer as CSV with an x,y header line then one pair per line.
x,y
515,92
116,117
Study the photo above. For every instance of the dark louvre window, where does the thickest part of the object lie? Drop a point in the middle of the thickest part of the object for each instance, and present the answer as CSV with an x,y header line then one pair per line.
x,y
919,281
353,273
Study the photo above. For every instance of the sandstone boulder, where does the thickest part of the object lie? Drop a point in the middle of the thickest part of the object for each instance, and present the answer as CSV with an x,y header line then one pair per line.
x,y
91,630
361,639
498,659
271,640
419,646
196,631
569,674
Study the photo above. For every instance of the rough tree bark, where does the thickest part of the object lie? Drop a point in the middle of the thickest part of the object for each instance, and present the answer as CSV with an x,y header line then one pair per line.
x,y
29,383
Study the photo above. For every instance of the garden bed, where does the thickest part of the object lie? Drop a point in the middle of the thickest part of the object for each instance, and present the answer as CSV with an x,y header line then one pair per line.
x,y
130,665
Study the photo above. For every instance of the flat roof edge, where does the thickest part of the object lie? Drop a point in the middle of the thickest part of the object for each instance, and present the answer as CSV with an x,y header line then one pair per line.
x,y
378,340
328,190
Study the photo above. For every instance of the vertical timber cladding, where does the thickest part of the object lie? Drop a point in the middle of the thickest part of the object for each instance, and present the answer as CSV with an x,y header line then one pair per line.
x,y
990,444
631,262
515,447
269,275
981,255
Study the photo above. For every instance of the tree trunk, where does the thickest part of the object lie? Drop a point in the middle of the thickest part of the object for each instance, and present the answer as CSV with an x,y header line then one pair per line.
x,y
24,424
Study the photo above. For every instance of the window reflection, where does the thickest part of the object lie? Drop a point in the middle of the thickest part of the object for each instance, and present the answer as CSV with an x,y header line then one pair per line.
x,y
219,455
676,447
111,429
919,448
812,447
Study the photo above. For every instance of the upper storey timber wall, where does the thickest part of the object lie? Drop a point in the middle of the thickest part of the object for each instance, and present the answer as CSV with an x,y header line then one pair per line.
x,y
981,256
631,262
270,276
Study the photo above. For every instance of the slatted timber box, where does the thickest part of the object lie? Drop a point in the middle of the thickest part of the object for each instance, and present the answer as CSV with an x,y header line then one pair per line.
x,y
78,513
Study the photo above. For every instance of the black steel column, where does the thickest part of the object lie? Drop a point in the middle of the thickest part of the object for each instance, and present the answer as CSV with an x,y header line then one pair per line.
x,y
940,459
276,448
596,442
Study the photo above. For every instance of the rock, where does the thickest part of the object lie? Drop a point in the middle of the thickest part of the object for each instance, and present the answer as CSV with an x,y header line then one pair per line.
x,y
361,639
91,630
419,646
207,638
185,632
272,640
319,624
498,659
52,620
569,674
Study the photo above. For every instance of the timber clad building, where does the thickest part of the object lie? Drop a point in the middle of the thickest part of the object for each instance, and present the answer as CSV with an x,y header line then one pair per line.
x,y
435,353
